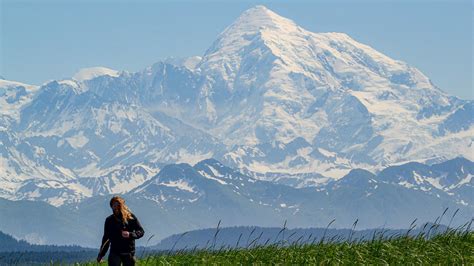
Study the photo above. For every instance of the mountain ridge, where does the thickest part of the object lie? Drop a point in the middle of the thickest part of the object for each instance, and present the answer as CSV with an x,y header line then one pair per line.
x,y
269,98
182,197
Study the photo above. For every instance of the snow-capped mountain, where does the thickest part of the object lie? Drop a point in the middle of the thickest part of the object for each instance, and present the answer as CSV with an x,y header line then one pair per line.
x,y
13,96
340,96
268,97
182,197
454,178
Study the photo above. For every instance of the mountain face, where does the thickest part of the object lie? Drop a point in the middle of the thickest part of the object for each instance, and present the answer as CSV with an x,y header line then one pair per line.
x,y
453,178
182,197
268,98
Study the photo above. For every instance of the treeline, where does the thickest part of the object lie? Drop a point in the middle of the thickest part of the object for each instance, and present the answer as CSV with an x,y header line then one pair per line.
x,y
20,252
9,244
46,257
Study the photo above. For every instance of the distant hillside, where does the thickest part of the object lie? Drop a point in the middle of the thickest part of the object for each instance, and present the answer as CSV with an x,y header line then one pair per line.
x,y
248,237
20,252
10,244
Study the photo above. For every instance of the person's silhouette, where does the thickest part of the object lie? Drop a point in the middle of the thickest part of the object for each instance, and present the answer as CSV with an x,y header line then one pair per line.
x,y
120,231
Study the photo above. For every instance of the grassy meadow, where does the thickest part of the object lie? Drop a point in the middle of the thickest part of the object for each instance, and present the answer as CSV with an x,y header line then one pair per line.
x,y
442,249
432,245
452,247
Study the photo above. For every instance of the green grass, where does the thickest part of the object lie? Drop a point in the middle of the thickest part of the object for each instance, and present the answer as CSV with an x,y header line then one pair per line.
x,y
453,248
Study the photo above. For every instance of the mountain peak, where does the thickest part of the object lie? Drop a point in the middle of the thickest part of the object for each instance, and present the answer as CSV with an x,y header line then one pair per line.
x,y
258,18
10,83
93,72
259,8
250,29
259,11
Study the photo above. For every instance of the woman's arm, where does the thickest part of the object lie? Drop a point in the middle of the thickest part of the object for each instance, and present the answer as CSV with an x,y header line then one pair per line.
x,y
105,241
138,231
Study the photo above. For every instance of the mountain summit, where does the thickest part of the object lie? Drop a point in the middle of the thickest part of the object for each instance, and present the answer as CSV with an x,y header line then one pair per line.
x,y
259,18
93,72
337,94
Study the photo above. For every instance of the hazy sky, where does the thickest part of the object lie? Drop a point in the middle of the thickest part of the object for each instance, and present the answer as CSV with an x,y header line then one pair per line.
x,y
44,40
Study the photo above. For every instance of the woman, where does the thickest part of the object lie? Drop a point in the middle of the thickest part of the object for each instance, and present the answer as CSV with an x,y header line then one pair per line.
x,y
120,231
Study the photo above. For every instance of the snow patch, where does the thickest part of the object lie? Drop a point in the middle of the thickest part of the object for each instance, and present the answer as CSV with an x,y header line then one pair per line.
x,y
434,182
180,184
206,175
465,180
215,172
78,141
406,184
327,153
184,156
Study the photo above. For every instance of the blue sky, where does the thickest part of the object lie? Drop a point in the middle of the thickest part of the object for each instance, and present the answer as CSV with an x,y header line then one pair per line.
x,y
44,40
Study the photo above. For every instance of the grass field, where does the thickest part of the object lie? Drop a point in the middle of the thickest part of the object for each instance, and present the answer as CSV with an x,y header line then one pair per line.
x,y
443,249
449,248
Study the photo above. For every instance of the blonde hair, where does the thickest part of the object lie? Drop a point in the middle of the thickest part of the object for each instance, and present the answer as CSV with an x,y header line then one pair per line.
x,y
124,210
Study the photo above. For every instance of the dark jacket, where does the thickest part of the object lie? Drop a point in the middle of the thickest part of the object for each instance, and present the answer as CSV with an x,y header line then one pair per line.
x,y
113,228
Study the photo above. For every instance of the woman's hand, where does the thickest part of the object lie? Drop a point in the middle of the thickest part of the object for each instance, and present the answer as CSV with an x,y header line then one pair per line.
x,y
125,234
